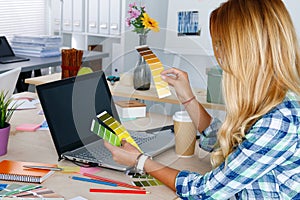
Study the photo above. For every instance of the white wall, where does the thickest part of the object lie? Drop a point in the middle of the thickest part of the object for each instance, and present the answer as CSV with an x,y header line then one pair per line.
x,y
192,53
191,45
293,7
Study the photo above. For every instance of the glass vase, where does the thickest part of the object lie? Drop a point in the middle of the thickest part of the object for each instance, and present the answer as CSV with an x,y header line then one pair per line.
x,y
141,73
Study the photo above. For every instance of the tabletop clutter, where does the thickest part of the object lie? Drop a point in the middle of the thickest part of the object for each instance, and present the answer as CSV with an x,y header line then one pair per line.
x,y
71,60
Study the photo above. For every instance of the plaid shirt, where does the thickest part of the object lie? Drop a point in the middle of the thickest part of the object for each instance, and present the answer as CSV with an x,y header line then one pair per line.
x,y
266,165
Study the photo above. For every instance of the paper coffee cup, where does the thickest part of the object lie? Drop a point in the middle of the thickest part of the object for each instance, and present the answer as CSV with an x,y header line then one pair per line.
x,y
185,134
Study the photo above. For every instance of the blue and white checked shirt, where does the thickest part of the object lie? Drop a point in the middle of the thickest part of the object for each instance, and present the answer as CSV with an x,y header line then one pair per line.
x,y
266,165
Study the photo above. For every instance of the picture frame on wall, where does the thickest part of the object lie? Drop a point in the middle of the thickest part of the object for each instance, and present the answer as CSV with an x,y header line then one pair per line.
x,y
188,23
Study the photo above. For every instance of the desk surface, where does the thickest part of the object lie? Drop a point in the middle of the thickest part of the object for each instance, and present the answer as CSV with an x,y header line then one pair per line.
x,y
39,63
125,89
38,147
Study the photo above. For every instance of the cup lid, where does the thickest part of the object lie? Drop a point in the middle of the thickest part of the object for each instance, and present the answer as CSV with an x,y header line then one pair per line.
x,y
182,116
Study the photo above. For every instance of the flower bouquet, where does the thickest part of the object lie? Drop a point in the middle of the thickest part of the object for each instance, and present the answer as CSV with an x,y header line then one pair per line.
x,y
140,21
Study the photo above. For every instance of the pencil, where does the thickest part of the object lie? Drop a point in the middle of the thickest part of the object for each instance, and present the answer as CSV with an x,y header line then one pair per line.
x,y
116,191
93,181
119,183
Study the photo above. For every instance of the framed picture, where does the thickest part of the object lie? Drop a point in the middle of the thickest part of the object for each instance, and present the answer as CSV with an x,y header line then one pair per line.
x,y
188,23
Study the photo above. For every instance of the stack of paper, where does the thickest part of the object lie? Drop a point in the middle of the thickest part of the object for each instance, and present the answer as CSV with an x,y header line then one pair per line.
x,y
37,46
18,191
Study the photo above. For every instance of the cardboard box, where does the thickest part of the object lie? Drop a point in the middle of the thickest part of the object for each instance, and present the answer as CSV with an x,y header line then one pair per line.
x,y
130,109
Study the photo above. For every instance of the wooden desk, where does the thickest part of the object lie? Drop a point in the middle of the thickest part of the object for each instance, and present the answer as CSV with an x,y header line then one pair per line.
x,y
39,63
126,90
38,147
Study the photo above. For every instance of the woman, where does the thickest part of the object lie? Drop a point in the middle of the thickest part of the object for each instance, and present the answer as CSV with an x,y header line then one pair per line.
x,y
256,151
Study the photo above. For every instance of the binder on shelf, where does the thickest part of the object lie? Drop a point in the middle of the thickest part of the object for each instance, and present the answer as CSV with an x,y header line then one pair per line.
x,y
14,171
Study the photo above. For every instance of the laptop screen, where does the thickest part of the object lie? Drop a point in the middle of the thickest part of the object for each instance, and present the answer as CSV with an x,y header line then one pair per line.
x,y
5,49
70,105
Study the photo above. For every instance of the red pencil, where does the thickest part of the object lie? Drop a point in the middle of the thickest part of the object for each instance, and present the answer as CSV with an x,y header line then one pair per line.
x,y
116,191
121,184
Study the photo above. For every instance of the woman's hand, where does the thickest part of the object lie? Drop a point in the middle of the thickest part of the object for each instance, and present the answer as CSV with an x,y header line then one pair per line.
x,y
180,81
124,155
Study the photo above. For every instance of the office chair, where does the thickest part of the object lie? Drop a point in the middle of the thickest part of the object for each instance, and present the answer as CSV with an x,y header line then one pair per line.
x,y
8,81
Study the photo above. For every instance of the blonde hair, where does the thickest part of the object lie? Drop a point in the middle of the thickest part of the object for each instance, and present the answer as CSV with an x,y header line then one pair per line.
x,y
256,46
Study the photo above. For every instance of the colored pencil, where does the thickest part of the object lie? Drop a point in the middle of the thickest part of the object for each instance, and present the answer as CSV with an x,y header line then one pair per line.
x,y
119,183
116,191
93,181
43,167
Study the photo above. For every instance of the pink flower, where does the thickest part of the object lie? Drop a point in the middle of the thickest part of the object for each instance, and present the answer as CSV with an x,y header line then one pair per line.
x,y
128,21
135,13
132,5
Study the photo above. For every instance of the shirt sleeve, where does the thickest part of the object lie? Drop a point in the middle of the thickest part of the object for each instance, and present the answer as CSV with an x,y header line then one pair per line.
x,y
270,142
208,137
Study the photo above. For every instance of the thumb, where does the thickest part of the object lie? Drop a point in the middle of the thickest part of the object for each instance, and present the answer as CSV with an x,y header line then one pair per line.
x,y
123,142
109,146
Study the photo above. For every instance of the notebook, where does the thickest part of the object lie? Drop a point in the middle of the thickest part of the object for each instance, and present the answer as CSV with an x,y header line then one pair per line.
x,y
70,105
11,170
6,53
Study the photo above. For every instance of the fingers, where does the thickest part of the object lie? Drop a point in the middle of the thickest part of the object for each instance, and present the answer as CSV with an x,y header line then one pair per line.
x,y
170,80
125,155
170,75
172,70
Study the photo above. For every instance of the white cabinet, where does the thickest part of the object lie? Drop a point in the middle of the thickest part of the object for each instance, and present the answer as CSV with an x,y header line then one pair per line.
x,y
56,19
100,17
104,11
78,15
90,22
115,17
92,16
67,15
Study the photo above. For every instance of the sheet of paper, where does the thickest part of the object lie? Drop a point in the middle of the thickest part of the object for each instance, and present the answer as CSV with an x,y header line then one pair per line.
x,y
23,104
78,198
89,170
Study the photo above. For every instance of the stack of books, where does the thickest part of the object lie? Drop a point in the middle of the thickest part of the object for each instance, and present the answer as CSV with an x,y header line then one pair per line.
x,y
37,46
11,170
20,171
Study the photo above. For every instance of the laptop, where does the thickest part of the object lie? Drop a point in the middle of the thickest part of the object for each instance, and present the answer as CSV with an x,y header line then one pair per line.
x,y
6,53
69,107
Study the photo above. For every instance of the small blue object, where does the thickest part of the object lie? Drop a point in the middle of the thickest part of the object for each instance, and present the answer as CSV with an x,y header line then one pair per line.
x,y
93,181
2,186
113,79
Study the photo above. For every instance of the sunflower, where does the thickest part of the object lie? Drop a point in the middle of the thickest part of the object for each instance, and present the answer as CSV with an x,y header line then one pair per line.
x,y
150,23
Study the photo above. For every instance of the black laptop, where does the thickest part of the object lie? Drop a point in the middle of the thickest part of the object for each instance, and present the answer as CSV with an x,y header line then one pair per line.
x,y
6,53
70,105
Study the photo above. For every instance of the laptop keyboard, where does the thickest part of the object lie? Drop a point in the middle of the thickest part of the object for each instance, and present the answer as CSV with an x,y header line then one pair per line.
x,y
142,138
97,153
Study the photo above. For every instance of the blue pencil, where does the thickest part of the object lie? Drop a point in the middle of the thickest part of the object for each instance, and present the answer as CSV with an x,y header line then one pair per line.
x,y
93,181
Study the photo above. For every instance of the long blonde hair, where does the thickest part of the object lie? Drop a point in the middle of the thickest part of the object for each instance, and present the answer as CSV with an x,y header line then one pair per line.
x,y
256,45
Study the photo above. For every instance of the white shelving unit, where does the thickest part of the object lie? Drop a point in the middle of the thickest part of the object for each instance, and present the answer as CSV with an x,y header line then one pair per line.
x,y
88,22
86,18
